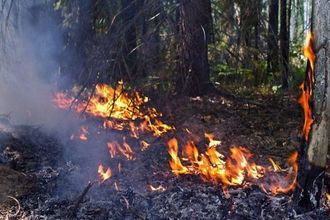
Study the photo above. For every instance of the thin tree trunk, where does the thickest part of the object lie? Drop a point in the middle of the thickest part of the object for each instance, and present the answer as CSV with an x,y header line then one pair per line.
x,y
272,58
284,45
129,54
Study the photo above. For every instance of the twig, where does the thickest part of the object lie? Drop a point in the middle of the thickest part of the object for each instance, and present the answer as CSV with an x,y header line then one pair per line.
x,y
73,209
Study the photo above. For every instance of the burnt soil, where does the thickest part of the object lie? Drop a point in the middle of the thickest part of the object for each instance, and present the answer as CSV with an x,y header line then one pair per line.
x,y
43,178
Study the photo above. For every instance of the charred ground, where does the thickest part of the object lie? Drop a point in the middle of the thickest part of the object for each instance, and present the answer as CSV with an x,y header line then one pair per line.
x,y
48,184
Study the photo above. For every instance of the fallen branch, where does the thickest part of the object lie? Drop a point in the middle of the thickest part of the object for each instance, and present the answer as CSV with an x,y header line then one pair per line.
x,y
72,210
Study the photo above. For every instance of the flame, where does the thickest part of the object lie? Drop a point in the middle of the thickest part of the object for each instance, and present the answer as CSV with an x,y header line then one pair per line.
x,y
83,133
237,170
115,103
125,149
307,86
144,145
175,163
212,142
277,184
327,195
103,175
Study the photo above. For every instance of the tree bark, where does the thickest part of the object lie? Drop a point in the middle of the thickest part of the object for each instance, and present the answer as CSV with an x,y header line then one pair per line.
x,y
312,183
129,13
194,32
272,57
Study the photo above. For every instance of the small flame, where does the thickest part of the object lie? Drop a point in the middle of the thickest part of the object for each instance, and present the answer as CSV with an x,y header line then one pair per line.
x,y
83,133
327,195
103,175
125,149
212,142
175,163
144,145
276,167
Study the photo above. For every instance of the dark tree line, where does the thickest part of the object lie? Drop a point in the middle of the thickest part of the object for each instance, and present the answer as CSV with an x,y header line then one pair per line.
x,y
179,46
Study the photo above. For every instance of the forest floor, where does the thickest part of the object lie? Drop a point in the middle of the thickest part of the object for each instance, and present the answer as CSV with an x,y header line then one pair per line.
x,y
37,181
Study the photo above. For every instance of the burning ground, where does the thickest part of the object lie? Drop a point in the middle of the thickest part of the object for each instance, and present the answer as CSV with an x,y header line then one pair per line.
x,y
124,166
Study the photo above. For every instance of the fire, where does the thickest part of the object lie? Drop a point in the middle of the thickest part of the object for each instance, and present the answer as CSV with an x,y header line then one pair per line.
x,y
307,86
276,183
327,195
103,174
107,102
237,170
125,149
175,163
83,133
144,145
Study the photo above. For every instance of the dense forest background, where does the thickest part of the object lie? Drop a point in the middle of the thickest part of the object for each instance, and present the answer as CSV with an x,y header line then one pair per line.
x,y
177,46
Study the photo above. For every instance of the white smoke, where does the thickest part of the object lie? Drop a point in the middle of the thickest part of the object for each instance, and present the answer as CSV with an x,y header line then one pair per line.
x,y
29,44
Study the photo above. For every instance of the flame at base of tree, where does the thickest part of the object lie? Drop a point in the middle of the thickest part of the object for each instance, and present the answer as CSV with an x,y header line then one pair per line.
x,y
307,86
237,169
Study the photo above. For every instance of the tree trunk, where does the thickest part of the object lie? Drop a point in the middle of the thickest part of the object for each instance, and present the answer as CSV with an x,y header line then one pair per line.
x,y
129,13
272,37
284,45
311,183
194,29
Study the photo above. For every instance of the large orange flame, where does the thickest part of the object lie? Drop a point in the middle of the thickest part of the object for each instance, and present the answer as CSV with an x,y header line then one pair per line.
x,y
115,103
307,86
236,170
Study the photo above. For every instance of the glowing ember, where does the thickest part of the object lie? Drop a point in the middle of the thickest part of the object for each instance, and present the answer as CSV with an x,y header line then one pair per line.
x,y
83,133
307,86
159,188
144,145
236,170
104,174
